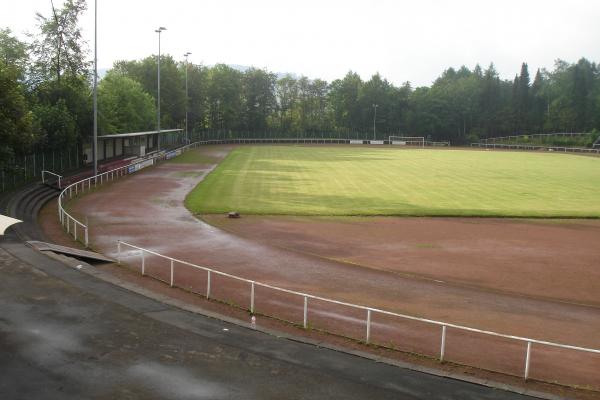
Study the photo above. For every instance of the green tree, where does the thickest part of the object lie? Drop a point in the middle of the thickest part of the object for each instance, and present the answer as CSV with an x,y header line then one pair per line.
x,y
60,49
13,52
172,86
344,102
521,100
225,97
258,94
123,105
286,92
15,117
198,112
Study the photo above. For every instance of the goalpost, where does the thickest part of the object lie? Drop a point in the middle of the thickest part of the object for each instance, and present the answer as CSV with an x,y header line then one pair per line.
x,y
408,140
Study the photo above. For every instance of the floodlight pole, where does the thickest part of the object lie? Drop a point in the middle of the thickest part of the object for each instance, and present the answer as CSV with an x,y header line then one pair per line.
x,y
374,118
159,30
95,139
187,135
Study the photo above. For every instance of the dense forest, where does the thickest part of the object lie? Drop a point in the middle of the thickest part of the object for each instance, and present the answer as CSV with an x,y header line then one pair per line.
x,y
45,97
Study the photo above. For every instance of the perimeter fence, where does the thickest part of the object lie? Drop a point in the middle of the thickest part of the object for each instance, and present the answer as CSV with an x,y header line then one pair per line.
x,y
510,354
536,148
534,136
17,171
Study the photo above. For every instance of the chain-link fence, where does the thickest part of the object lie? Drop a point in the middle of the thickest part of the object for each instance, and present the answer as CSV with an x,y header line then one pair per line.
x,y
23,169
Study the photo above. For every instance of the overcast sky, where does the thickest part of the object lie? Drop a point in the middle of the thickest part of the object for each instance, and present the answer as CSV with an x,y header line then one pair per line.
x,y
413,40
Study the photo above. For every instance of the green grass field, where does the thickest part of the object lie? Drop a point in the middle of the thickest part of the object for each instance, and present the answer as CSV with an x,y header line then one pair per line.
x,y
297,180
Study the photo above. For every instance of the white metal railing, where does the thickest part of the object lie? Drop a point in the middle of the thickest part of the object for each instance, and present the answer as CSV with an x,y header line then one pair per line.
x,y
44,172
79,187
369,310
534,135
534,147
306,141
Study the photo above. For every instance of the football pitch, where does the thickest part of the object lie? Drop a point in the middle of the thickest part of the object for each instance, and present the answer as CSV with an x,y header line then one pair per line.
x,y
341,180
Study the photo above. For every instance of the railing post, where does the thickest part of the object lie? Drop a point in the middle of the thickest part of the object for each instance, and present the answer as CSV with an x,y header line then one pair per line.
x,y
143,263
252,298
119,252
368,326
87,238
208,285
172,271
443,345
68,225
527,359
305,323
76,189
75,230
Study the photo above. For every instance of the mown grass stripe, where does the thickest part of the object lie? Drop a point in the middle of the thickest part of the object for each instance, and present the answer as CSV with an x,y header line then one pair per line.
x,y
323,180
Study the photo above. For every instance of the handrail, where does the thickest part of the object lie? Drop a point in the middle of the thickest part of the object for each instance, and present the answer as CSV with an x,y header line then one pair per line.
x,y
66,219
366,308
536,147
44,172
369,310
533,135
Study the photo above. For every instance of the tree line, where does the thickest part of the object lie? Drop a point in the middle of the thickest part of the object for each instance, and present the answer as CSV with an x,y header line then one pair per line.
x,y
45,92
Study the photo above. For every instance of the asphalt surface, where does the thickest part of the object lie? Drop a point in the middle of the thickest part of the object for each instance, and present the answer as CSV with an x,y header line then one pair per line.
x,y
67,335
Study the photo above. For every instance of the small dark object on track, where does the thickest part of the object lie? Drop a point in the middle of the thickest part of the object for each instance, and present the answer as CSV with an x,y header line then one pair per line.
x,y
233,214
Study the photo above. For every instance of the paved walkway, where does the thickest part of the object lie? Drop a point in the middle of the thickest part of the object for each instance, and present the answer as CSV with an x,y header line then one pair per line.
x,y
66,335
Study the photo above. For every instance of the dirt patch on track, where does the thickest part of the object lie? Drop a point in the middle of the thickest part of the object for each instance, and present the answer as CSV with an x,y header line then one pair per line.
x,y
550,259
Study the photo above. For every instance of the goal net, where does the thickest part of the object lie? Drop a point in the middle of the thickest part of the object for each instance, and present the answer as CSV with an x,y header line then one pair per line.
x,y
408,140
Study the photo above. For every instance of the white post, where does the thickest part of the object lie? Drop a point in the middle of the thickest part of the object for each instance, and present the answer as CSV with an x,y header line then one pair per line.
x,y
68,225
143,263
305,324
87,239
208,285
119,252
527,358
252,298
443,346
75,230
172,271
368,326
